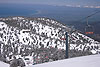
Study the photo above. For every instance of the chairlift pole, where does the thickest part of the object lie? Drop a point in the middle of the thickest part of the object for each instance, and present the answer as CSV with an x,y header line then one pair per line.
x,y
67,54
87,22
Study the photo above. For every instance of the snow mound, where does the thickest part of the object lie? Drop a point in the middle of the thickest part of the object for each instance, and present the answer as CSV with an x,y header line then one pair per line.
x,y
86,61
4,64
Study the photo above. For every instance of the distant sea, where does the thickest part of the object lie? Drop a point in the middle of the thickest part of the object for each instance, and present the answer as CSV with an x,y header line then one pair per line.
x,y
15,10
67,15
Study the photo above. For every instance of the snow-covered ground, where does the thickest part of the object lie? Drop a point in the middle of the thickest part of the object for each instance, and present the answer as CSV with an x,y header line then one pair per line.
x,y
2,64
86,61
41,38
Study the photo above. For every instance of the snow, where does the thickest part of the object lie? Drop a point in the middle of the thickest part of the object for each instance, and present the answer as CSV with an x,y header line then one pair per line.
x,y
3,64
2,24
86,61
47,34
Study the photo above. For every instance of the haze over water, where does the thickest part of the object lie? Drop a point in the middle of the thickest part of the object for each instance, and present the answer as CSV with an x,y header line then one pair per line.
x,y
64,14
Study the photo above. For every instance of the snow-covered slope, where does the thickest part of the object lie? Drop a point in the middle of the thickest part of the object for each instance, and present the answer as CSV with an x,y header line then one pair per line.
x,y
86,61
2,64
36,36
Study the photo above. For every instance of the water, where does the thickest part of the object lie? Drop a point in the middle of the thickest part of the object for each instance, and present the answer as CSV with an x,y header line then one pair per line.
x,y
15,10
66,15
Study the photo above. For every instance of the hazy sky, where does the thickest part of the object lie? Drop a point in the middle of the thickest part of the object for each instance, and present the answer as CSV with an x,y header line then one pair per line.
x,y
55,2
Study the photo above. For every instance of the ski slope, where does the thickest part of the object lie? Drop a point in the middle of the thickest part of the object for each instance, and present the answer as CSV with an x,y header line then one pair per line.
x,y
19,33
2,64
86,61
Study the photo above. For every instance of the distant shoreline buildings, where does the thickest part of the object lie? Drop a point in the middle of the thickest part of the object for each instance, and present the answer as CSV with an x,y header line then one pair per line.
x,y
79,6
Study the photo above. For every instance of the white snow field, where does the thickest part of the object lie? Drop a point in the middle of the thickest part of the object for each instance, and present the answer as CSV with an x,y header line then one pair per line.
x,y
2,64
85,61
